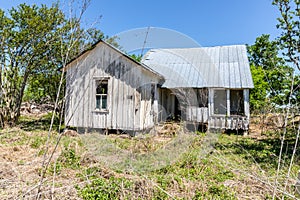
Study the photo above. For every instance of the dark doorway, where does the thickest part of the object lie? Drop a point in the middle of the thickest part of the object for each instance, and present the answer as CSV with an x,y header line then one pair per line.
x,y
177,110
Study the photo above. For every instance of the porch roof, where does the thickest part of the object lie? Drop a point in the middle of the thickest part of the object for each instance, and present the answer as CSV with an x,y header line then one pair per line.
x,y
221,66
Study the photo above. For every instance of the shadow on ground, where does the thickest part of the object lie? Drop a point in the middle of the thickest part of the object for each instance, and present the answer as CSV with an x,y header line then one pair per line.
x,y
29,123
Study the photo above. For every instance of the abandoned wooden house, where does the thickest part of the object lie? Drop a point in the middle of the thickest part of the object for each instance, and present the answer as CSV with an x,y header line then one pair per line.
x,y
108,90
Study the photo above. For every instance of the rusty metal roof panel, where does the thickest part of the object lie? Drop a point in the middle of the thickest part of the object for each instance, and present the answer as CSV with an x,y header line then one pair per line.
x,y
222,66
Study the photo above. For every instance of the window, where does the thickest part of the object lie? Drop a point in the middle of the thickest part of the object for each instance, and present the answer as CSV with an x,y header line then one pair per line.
x,y
202,97
236,102
220,104
101,94
233,100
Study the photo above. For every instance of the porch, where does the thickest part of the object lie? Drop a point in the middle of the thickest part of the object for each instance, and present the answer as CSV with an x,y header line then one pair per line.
x,y
217,108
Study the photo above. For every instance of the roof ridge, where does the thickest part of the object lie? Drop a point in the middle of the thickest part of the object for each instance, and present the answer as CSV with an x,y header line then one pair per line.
x,y
185,48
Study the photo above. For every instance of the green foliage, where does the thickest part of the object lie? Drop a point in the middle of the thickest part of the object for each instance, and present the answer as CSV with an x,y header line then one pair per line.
x,y
258,95
113,41
55,167
135,57
42,88
264,53
278,60
38,123
272,77
14,138
69,158
261,152
90,172
37,142
28,34
47,118
105,189
215,192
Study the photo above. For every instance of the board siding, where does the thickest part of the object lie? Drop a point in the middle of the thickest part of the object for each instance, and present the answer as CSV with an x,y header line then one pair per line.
x,y
124,100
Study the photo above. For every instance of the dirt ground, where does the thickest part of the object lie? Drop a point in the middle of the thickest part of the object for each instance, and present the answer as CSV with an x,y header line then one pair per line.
x,y
21,167
261,125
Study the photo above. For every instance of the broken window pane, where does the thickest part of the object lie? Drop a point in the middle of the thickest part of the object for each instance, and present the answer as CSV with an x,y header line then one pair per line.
x,y
101,87
220,106
202,97
236,102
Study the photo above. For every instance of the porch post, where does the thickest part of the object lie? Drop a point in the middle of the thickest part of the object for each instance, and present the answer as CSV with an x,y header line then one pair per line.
x,y
210,102
246,103
155,104
228,102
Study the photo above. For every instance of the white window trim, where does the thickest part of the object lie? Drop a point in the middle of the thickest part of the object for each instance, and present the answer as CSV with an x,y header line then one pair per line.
x,y
96,79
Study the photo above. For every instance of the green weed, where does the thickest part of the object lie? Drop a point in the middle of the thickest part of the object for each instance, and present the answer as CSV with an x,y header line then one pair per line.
x,y
69,159
105,189
37,142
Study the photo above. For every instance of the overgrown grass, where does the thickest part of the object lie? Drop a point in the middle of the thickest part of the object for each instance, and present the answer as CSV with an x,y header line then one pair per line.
x,y
97,166
236,168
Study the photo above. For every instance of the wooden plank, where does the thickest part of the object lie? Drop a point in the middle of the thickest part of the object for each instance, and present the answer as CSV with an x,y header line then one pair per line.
x,y
197,114
246,102
228,102
125,98
112,104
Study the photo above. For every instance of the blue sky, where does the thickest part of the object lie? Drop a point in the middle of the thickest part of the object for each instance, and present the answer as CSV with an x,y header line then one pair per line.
x,y
209,22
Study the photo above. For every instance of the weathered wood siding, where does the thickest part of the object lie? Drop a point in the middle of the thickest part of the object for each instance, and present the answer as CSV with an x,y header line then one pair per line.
x,y
130,91
197,114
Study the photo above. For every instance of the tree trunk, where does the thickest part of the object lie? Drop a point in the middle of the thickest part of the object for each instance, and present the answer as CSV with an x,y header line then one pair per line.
x,y
10,94
21,94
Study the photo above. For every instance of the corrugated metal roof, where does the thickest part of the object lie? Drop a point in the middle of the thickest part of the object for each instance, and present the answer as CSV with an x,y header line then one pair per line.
x,y
222,66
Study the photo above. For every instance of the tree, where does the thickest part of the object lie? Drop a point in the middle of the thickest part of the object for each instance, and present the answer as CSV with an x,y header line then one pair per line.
x,y
289,39
35,42
265,53
289,23
289,42
271,75
27,37
258,95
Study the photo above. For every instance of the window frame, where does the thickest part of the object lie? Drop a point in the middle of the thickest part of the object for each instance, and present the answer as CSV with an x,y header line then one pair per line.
x,y
101,80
